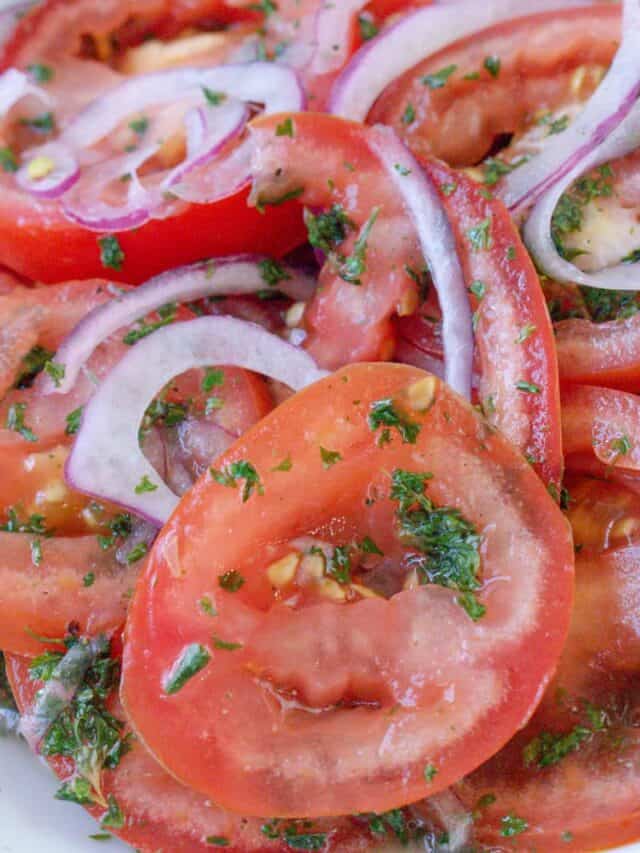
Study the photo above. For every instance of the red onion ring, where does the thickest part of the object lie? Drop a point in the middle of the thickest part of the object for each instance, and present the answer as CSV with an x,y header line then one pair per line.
x,y
222,277
415,37
438,246
106,460
607,108
63,175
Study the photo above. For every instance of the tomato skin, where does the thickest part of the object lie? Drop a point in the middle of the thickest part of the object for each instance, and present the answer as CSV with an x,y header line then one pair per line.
x,y
47,247
604,354
588,800
460,121
514,339
165,615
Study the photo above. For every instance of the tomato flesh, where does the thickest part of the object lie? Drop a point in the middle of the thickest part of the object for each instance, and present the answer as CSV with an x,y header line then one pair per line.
x,y
308,679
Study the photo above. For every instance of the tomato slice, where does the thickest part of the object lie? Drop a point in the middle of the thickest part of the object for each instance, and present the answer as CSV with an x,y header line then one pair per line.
x,y
600,353
474,103
299,663
569,780
161,814
518,371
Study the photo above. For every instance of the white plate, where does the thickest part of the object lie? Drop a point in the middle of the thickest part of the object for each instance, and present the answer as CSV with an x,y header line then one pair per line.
x,y
32,821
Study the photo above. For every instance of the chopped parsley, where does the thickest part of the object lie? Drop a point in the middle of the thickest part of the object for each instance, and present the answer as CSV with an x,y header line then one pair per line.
x,y
35,524
8,160
139,125
368,29
44,123
393,821
605,305
36,552
294,834
527,387
167,314
55,372
16,422
478,288
326,231
164,411
384,413
351,268
217,841
84,731
120,526
89,579
439,78
548,748
339,567
214,99
329,457
137,553
231,581
368,546
191,661
223,645
285,128
213,378
525,333
495,169
568,216
261,203
447,543
480,235
240,470
145,485
285,465
430,773
492,65
272,272
512,825
206,605
111,254
41,73
621,446
32,364
409,114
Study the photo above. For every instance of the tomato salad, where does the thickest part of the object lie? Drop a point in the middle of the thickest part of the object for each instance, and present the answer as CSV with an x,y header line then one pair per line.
x,y
319,419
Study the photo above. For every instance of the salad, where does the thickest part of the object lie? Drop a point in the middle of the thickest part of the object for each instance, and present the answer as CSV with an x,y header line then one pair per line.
x,y
319,432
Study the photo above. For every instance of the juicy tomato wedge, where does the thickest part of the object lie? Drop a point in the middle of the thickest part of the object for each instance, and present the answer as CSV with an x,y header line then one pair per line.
x,y
540,63
569,780
161,814
327,164
603,513
600,353
518,371
603,421
56,33
250,648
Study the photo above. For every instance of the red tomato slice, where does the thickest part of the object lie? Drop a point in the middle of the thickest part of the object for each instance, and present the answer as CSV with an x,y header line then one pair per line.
x,y
600,353
518,371
412,679
569,780
161,814
462,116
603,513
604,422
327,162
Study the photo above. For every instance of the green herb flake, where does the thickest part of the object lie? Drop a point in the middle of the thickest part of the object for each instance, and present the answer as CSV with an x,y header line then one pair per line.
x,y
8,160
272,273
41,73
285,465
528,387
525,333
225,646
548,748
137,553
478,288
448,543
231,581
367,27
409,114
16,421
214,99
351,268
114,817
448,188
55,372
111,254
73,420
339,567
191,661
36,552
33,363
430,773
326,231
290,195
621,446
402,170
384,413
566,836
145,485
213,378
512,825
285,128
139,125
438,79
492,65
217,841
44,123
89,579
480,235
329,457
34,524
368,546
101,836
206,605
240,470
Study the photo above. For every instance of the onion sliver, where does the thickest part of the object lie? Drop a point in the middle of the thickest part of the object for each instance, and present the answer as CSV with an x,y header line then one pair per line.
x,y
537,231
438,245
275,86
331,29
415,37
16,85
607,108
222,277
106,460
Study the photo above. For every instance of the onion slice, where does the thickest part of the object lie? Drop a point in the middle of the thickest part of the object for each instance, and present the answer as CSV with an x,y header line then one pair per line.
x,y
275,86
16,85
331,29
537,231
607,108
438,245
106,460
222,277
416,37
